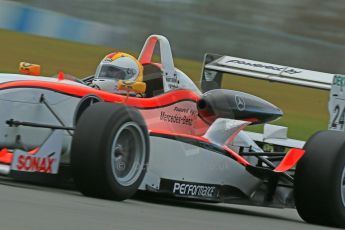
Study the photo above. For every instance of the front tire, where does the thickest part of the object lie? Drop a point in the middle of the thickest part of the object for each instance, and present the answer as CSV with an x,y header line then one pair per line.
x,y
110,150
320,180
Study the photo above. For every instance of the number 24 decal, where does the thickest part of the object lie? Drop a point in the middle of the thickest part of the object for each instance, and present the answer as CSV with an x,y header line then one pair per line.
x,y
339,118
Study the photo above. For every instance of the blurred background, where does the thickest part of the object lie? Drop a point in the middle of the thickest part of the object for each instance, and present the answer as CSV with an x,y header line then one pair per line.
x,y
300,33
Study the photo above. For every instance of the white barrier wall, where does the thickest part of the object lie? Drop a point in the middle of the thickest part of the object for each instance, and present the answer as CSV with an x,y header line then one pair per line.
x,y
22,18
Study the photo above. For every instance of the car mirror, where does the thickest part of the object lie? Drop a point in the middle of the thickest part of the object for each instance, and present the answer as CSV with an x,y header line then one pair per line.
x,y
29,69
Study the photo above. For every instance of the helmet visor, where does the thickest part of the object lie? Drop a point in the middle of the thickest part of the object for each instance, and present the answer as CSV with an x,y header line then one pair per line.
x,y
115,73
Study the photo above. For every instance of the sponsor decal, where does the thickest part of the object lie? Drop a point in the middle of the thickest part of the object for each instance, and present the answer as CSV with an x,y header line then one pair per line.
x,y
336,105
190,189
180,117
173,82
183,116
265,66
108,60
210,75
194,190
240,103
45,160
177,119
339,80
35,164
182,110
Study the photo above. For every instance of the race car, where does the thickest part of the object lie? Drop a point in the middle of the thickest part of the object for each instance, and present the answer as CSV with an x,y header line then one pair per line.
x,y
175,141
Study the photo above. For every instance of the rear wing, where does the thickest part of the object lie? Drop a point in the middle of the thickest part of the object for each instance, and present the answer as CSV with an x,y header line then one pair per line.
x,y
215,66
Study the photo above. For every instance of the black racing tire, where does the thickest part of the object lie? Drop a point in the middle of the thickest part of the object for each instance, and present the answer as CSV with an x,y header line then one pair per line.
x,y
319,180
110,151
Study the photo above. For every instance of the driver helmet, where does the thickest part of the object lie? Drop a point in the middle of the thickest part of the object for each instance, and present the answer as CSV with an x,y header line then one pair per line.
x,y
114,67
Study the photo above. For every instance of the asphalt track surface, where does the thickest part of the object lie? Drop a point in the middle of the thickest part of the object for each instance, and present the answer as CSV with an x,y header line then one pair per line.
x,y
26,206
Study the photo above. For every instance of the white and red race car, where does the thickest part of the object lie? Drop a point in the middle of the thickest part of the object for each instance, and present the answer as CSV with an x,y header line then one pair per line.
x,y
175,141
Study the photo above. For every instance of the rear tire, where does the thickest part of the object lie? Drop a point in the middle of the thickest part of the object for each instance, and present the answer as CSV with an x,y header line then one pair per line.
x,y
110,150
319,180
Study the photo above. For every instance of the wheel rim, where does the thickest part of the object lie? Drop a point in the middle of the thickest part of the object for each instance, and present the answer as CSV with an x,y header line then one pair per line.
x,y
128,153
342,187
